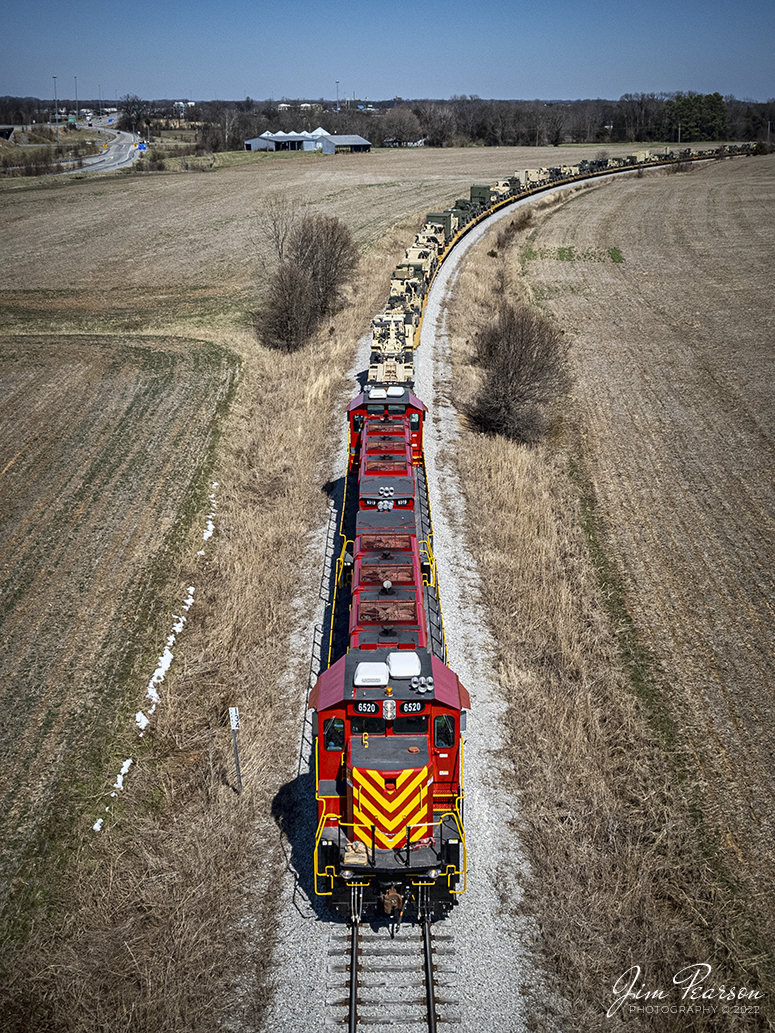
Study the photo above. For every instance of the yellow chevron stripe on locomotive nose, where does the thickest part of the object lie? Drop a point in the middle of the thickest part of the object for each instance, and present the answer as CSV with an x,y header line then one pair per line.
x,y
373,784
391,811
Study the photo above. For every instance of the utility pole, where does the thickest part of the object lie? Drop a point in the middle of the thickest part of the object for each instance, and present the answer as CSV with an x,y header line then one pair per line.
x,y
337,96
56,105
76,99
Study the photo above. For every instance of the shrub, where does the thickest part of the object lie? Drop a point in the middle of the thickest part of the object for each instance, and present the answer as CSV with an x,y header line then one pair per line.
x,y
317,257
510,229
525,359
324,246
288,316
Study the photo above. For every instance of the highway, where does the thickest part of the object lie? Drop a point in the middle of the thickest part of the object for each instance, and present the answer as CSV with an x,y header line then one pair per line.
x,y
120,152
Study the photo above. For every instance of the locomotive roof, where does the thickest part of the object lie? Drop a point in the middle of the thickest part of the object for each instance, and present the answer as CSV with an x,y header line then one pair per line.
x,y
400,520
337,684
407,398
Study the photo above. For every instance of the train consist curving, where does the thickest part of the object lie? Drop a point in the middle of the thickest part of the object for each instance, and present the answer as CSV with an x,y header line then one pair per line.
x,y
388,712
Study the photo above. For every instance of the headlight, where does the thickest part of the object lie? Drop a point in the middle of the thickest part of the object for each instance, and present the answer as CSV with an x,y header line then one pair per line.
x,y
346,873
433,873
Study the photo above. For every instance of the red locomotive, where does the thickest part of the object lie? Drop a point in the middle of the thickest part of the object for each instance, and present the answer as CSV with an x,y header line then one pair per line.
x,y
389,712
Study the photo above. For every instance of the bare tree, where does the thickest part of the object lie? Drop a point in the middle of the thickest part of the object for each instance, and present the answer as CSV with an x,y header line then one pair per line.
x,y
526,362
316,255
437,123
324,246
400,125
557,118
277,216
288,316
135,110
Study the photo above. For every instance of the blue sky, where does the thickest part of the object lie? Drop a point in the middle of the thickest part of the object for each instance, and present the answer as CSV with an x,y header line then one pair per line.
x,y
205,49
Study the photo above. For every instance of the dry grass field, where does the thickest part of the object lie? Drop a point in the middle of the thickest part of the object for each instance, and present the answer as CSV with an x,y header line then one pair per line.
x,y
675,389
638,657
102,444
124,301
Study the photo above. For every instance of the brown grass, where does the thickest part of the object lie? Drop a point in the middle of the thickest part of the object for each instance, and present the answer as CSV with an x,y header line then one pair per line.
x,y
621,872
164,920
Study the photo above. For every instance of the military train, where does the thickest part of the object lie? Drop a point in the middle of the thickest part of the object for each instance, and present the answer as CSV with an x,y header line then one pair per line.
x,y
388,713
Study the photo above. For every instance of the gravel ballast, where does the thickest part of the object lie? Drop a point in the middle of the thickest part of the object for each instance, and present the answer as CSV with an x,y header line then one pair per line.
x,y
489,974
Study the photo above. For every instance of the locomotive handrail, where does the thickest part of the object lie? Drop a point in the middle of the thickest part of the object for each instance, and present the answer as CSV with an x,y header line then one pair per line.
x,y
424,545
451,871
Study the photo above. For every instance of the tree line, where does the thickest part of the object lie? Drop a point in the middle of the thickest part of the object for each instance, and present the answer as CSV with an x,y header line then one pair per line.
x,y
460,121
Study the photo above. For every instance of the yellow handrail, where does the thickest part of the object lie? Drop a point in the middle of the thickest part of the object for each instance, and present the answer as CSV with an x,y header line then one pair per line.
x,y
450,872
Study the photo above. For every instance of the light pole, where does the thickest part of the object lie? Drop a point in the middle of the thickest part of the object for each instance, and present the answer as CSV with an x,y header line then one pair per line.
x,y
337,96
76,99
56,105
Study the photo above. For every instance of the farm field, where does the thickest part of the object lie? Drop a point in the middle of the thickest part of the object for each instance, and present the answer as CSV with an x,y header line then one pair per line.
x,y
135,231
674,354
102,444
126,306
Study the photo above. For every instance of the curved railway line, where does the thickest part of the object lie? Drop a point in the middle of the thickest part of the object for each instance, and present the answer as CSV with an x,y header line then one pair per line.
x,y
408,787
374,979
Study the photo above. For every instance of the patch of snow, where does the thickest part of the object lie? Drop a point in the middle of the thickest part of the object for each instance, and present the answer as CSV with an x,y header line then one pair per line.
x,y
142,720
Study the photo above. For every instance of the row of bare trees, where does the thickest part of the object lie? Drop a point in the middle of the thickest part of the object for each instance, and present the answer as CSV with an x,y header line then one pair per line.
x,y
465,121
459,121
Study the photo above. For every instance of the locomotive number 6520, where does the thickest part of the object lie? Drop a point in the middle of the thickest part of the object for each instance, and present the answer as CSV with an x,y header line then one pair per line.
x,y
366,707
412,706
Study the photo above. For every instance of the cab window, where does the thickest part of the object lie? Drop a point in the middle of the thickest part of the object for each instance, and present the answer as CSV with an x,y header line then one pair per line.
x,y
413,725
333,733
444,730
371,725
414,421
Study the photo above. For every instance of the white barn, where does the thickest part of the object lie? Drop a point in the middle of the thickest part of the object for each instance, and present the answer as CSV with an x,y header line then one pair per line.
x,y
318,140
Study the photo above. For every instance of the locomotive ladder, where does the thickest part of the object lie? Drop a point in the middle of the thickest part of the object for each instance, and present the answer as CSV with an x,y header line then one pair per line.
x,y
396,976
432,601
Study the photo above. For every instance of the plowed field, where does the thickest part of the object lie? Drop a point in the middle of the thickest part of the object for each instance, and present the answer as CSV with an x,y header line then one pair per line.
x,y
666,286
101,443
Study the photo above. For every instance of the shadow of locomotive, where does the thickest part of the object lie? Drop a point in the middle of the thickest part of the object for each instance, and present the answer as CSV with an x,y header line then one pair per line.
x,y
294,810
295,813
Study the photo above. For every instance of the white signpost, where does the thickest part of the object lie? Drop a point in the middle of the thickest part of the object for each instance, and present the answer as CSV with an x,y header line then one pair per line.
x,y
235,725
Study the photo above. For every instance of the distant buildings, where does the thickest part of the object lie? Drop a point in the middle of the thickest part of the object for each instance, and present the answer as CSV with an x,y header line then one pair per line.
x,y
318,140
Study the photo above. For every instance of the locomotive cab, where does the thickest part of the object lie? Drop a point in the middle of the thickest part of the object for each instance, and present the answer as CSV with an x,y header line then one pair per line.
x,y
389,777
386,404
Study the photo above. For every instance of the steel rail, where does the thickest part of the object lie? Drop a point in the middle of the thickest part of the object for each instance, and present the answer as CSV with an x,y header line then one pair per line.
x,y
430,991
430,986
352,1021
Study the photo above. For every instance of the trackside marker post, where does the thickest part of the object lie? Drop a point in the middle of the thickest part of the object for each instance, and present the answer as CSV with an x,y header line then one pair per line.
x,y
234,718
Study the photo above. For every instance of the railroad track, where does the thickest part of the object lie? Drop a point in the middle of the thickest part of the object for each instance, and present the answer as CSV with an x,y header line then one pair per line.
x,y
392,977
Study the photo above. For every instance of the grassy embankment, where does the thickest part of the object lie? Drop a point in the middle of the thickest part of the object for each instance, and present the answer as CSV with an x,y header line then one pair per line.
x,y
623,872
